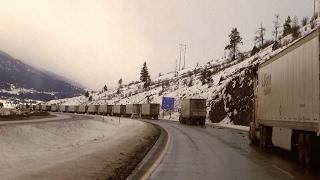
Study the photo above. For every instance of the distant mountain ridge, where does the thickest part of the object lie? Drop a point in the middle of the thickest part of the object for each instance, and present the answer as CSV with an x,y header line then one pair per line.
x,y
21,81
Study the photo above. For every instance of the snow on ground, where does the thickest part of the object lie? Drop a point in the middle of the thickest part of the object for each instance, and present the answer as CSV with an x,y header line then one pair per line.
x,y
17,91
7,104
28,148
230,126
227,123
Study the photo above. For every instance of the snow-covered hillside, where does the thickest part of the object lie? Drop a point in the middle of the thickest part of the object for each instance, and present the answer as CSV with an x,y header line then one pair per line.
x,y
229,94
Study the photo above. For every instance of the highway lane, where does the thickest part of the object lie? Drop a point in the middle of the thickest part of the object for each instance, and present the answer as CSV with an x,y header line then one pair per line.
x,y
213,153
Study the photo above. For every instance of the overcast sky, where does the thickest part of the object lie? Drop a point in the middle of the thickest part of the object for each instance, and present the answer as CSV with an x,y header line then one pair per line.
x,y
96,42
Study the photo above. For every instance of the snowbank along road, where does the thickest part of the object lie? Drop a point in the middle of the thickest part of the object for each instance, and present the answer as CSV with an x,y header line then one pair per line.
x,y
71,147
217,153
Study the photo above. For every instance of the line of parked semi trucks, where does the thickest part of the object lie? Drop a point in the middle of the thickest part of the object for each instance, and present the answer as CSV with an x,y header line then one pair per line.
x,y
192,112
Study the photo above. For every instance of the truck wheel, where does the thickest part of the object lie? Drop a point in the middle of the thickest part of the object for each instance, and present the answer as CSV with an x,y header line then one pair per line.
x,y
308,149
301,147
263,137
252,141
203,122
183,121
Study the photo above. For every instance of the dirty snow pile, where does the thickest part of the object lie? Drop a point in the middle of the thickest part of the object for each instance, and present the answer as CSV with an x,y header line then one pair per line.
x,y
230,93
28,148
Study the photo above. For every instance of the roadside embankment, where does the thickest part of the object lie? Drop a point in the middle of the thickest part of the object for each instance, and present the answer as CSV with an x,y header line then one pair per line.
x,y
83,148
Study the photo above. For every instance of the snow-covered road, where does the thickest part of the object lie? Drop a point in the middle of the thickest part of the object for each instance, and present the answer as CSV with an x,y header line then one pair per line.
x,y
68,146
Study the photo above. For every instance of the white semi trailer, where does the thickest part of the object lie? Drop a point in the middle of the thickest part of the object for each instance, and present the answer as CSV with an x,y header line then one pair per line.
x,y
83,109
73,108
54,107
93,109
287,96
102,109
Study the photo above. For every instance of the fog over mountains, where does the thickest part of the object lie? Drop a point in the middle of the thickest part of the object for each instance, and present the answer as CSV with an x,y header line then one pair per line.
x,y
23,82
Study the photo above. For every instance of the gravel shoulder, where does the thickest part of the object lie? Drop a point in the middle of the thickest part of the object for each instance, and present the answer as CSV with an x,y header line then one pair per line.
x,y
96,148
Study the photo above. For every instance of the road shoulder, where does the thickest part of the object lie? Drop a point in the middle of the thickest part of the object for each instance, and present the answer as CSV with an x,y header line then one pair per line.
x,y
153,158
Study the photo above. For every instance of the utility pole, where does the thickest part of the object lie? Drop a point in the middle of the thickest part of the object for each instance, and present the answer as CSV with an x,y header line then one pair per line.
x,y
184,48
179,59
175,69
314,8
315,11
184,56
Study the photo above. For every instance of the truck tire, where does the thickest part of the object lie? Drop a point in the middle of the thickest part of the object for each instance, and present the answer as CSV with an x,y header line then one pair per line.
x,y
263,137
251,137
301,147
310,149
189,121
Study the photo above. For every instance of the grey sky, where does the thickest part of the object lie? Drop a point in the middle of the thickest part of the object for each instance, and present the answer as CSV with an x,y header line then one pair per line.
x,y
96,42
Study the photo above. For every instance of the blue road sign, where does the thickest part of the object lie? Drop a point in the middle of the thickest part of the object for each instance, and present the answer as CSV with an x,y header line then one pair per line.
x,y
167,103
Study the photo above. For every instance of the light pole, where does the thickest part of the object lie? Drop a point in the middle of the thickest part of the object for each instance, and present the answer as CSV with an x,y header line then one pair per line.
x,y
184,48
314,8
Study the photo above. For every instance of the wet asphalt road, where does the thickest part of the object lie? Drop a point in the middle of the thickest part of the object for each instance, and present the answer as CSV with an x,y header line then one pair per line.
x,y
210,153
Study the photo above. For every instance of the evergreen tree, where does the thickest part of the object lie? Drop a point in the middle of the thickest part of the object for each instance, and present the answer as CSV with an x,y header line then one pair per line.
x,y
287,27
276,25
206,76
259,38
90,98
276,45
86,94
254,50
295,28
144,76
312,23
304,21
190,82
120,83
105,88
235,40
1,104
120,86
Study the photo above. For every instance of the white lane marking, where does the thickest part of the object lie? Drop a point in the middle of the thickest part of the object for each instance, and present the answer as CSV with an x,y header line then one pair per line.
x,y
284,171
